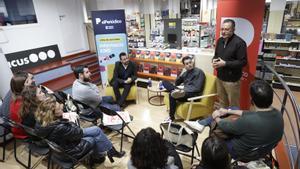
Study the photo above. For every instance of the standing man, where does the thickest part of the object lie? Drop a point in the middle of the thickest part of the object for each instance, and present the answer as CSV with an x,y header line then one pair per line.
x,y
229,60
85,91
124,77
192,81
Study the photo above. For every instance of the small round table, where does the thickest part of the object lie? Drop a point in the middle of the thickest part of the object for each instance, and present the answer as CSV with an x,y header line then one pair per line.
x,y
157,94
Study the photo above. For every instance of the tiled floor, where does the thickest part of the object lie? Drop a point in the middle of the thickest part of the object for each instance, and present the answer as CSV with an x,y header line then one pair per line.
x,y
145,115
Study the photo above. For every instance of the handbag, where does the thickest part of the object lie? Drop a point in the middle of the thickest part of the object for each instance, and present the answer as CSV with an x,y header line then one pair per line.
x,y
177,134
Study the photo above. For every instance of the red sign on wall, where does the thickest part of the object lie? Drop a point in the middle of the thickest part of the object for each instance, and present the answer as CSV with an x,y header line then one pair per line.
x,y
248,16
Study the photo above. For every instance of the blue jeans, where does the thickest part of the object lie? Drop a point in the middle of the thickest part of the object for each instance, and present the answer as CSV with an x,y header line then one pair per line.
x,y
108,102
95,136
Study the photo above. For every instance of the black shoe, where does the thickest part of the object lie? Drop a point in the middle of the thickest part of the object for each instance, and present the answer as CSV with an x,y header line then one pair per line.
x,y
114,153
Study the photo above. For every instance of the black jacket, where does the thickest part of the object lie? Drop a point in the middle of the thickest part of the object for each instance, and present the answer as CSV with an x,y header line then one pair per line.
x,y
67,135
235,56
121,74
193,80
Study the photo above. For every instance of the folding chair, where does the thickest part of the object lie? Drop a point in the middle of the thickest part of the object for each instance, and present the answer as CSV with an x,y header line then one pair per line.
x,y
181,137
32,146
4,136
262,152
119,127
63,159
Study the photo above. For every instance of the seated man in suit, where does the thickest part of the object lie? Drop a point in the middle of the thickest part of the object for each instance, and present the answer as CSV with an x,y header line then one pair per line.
x,y
85,91
193,83
124,77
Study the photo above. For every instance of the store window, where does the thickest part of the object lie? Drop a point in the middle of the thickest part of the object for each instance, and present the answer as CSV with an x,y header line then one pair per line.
x,y
17,12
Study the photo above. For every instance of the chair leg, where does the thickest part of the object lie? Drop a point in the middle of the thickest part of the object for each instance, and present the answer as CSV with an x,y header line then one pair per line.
x,y
193,151
3,147
15,154
122,135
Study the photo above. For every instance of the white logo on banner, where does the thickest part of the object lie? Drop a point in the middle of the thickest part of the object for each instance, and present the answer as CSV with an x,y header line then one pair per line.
x,y
243,28
32,58
104,22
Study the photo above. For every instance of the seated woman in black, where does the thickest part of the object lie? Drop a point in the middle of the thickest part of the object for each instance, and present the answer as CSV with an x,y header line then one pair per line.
x,y
150,151
214,154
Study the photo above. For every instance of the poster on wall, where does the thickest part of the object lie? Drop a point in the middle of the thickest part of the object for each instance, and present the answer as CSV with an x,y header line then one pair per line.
x,y
110,36
26,59
248,27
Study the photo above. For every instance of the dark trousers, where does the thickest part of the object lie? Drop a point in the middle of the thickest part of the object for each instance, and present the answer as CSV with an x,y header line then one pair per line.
x,y
121,98
173,102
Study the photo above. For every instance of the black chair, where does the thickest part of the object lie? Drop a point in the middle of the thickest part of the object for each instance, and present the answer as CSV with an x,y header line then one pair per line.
x,y
119,127
176,132
85,112
4,136
32,142
63,159
262,152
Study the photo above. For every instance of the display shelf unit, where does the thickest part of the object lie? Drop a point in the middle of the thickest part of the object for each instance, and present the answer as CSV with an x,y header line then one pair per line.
x,y
268,59
289,70
157,64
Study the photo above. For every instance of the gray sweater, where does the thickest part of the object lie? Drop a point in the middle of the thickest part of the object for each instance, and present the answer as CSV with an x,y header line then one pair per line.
x,y
254,129
86,92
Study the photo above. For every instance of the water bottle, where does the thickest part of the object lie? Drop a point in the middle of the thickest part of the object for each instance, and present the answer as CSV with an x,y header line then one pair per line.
x,y
160,85
149,82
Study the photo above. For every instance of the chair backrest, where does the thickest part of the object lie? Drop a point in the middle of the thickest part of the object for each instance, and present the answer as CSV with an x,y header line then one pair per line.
x,y
57,150
110,71
209,88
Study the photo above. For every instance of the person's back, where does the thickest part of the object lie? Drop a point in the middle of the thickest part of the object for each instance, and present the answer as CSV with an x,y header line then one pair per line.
x,y
256,129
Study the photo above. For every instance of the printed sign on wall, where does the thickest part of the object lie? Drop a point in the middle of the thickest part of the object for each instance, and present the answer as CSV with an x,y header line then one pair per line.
x,y
31,58
110,36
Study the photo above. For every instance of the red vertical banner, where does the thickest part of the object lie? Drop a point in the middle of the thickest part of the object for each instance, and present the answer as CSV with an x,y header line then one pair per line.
x,y
248,16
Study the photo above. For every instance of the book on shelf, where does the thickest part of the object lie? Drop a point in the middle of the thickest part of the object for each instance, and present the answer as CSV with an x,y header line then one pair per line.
x,y
152,55
162,56
167,70
174,71
157,55
140,67
146,67
147,54
153,68
173,57
167,56
138,54
160,70
142,56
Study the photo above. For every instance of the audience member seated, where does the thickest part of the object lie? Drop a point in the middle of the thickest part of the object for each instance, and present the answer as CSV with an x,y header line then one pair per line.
x,y
260,126
124,77
193,82
85,91
74,140
17,84
214,154
150,151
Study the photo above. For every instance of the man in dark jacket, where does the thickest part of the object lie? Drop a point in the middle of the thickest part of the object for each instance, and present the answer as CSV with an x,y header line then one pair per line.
x,y
192,81
124,77
229,60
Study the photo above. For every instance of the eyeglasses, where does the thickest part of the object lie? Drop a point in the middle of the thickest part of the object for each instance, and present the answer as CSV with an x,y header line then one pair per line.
x,y
226,29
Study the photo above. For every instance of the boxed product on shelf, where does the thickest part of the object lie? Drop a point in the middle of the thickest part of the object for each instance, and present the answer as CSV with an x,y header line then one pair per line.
x,y
178,57
140,67
157,55
167,56
160,70
138,54
161,56
174,71
142,56
173,57
147,54
152,55
167,70
153,68
146,67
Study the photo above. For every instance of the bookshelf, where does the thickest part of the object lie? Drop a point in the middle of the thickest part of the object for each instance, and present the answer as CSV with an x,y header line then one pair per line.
x,y
157,64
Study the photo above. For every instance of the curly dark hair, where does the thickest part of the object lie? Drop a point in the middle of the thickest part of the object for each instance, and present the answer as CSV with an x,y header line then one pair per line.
x,y
148,150
30,101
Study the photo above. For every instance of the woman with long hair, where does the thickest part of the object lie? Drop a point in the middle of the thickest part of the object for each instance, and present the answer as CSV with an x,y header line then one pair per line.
x,y
19,81
214,154
74,140
150,151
